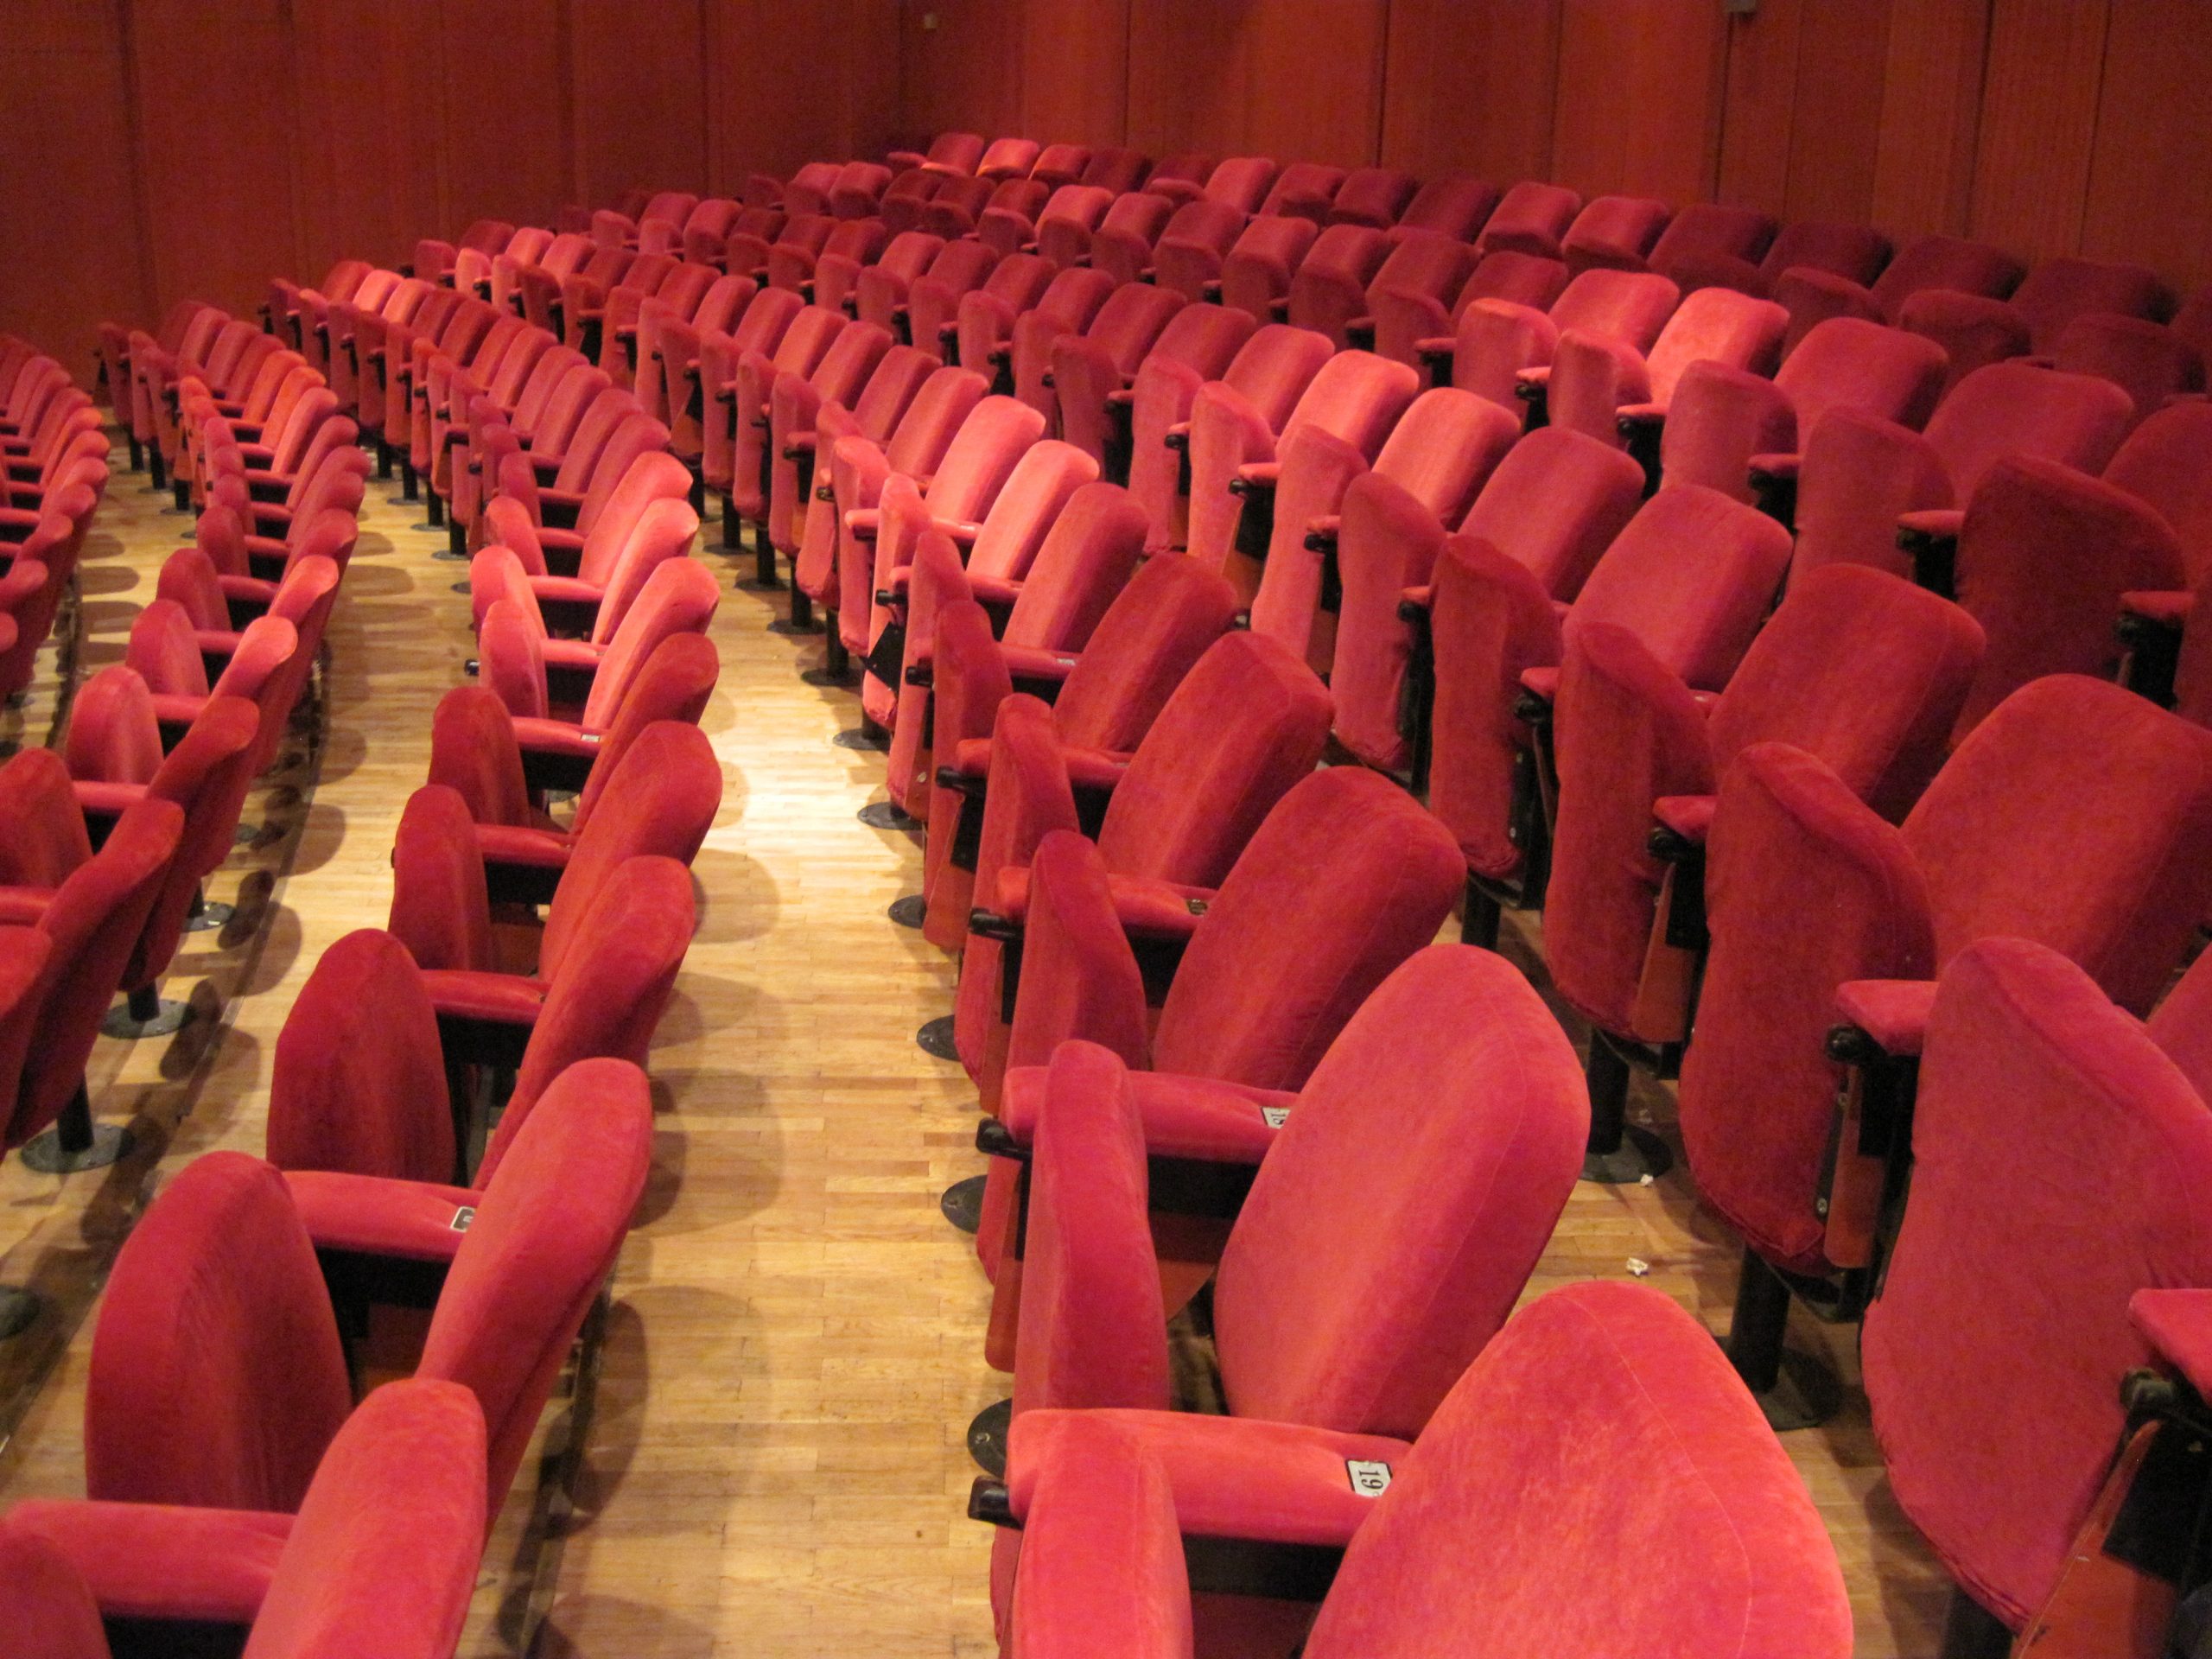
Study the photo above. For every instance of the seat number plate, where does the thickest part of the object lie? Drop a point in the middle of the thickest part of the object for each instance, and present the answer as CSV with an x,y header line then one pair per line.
x,y
1368,1479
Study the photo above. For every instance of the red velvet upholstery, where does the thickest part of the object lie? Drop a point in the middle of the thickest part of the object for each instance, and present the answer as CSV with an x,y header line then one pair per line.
x,y
1194,244
1357,397
1615,231
1270,373
382,1559
217,1379
1276,965
1098,398
23,952
397,1499
1601,1419
1594,381
359,1083
1122,245
2152,364
1811,295
1552,505
44,1604
2077,814
660,803
1723,417
1052,363
976,466
1859,668
2044,555
1240,730
854,476
93,918
1502,339
1168,616
545,1236
1856,484
1323,1316
2022,1044
1440,452
1085,560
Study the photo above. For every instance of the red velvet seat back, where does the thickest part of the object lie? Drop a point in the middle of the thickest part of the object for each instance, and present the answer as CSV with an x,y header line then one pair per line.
x,y
613,988
1692,577
2043,556
1087,1265
1281,962
1151,635
1858,475
397,1500
1861,669
1084,562
1261,267
205,776
1372,196
1617,232
1944,262
1602,1419
1245,725
1705,233
1530,219
2161,464
43,1601
660,804
2122,803
675,683
359,1082
545,1235
1121,244
92,924
2152,364
216,1378
981,457
23,952
925,430
678,597
1379,1250
2021,1042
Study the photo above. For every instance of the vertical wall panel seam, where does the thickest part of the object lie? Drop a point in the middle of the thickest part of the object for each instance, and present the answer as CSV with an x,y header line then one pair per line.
x,y
141,209
1963,225
288,21
2096,119
1381,84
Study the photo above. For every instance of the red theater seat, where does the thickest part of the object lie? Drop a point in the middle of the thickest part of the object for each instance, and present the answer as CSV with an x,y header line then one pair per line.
x,y
1553,504
1104,697
1246,723
1273,366
1858,668
1811,295
1740,433
1317,956
381,1558
1505,343
1605,1399
1692,574
1085,560
2077,816
2023,1048
1865,483
1330,506
1234,452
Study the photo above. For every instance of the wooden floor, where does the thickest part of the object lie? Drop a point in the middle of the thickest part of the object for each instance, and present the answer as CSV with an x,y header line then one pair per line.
x,y
776,1465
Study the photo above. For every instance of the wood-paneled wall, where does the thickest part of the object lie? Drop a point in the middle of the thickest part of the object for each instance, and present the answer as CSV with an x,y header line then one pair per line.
x,y
158,149
2049,126
161,149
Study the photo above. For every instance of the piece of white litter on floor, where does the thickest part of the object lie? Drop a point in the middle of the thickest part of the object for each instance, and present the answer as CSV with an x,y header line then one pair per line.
x,y
1638,1266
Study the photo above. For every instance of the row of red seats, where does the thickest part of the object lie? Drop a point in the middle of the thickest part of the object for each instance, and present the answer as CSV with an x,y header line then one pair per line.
x,y
214,1416
1925,700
